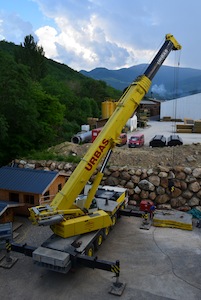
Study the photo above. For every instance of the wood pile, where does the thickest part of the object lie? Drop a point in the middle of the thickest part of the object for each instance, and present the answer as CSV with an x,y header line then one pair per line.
x,y
184,128
189,126
170,119
167,119
188,121
197,126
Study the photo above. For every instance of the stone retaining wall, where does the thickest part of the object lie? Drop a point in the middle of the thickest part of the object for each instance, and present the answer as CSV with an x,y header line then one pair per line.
x,y
178,187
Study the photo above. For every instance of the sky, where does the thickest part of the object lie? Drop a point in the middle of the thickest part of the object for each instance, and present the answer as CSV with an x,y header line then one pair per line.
x,y
114,34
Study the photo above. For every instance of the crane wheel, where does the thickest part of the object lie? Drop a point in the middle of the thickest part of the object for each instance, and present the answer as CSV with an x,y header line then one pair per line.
x,y
98,241
90,250
106,231
114,220
123,206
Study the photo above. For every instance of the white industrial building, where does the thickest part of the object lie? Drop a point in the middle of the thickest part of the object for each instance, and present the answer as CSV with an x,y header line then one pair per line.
x,y
181,108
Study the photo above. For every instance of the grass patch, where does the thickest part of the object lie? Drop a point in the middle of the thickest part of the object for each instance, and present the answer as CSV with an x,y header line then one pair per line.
x,y
50,155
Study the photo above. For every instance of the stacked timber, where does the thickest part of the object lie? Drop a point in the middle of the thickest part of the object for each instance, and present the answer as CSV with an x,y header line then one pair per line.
x,y
167,118
188,121
184,128
197,126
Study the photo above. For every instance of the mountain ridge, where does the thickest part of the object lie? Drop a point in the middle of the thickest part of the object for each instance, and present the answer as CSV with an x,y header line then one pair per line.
x,y
169,82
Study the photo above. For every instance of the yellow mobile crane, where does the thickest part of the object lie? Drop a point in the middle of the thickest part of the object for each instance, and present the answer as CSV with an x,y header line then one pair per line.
x,y
81,215
68,214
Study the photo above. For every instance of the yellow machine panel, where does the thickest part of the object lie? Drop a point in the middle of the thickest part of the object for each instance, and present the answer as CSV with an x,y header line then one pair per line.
x,y
84,224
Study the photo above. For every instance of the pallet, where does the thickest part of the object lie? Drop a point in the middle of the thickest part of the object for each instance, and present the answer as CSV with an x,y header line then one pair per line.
x,y
166,119
184,130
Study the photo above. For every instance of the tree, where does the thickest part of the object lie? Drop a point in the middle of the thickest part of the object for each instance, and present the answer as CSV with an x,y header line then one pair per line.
x,y
32,55
29,117
17,109
50,115
38,110
3,129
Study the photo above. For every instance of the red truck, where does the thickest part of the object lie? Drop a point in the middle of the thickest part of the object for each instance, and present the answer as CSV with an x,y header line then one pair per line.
x,y
95,133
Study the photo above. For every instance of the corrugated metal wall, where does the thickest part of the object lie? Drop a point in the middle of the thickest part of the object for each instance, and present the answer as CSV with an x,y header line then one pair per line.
x,y
185,107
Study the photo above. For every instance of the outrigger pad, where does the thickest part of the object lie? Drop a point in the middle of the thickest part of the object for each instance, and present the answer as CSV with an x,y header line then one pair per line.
x,y
117,288
7,264
145,225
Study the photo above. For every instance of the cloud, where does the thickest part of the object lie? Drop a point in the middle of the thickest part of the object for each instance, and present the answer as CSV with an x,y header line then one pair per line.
x,y
159,90
47,36
86,34
13,28
87,40
91,34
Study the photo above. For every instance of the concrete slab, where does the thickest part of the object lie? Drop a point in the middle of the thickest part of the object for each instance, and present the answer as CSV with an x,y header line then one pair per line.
x,y
156,264
173,219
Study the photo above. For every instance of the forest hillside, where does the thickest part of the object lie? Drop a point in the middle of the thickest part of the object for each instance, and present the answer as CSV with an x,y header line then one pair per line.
x,y
43,102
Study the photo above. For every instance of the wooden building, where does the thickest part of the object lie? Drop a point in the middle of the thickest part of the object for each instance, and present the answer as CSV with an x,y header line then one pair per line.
x,y
28,187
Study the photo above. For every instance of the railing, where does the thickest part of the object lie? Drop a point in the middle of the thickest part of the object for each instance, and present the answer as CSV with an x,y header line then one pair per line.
x,y
46,199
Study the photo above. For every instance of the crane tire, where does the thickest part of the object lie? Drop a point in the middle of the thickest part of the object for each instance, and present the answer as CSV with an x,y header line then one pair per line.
x,y
90,250
106,231
99,240
114,220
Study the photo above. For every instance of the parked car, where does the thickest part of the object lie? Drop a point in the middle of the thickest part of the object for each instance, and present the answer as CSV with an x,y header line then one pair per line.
x,y
136,141
174,140
123,139
158,141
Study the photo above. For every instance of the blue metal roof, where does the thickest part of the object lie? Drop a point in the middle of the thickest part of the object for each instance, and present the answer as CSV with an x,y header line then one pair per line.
x,y
3,206
26,180
6,204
